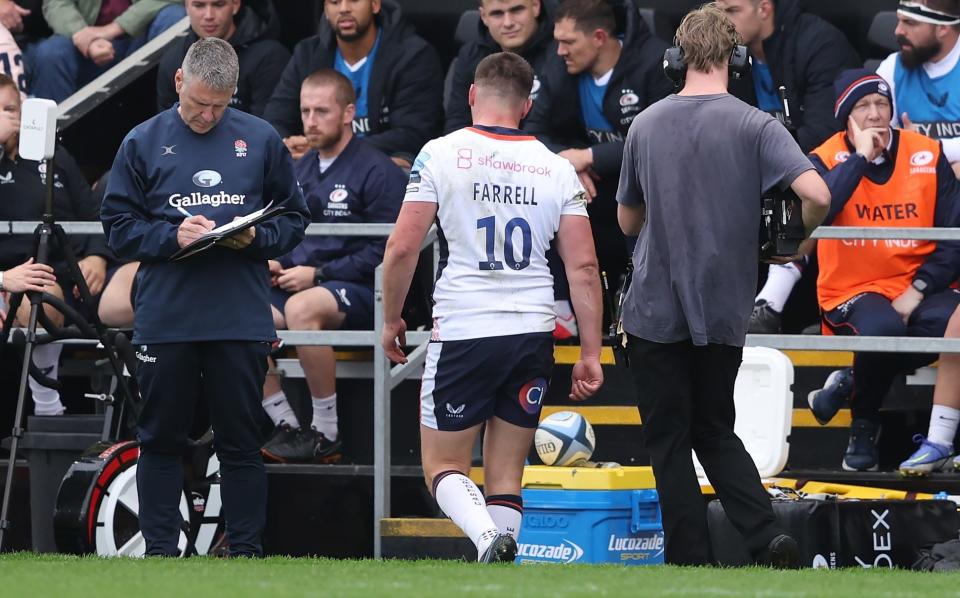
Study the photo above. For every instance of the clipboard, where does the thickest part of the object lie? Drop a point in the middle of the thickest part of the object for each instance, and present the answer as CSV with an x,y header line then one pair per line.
x,y
210,238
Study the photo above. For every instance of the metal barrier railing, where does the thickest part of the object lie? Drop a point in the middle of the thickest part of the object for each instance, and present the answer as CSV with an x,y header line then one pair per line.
x,y
386,378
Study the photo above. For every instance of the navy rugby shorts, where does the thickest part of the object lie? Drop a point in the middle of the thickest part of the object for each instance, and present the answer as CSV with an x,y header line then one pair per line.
x,y
354,300
467,382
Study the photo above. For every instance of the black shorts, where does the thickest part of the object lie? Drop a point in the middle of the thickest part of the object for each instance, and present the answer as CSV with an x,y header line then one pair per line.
x,y
354,300
468,382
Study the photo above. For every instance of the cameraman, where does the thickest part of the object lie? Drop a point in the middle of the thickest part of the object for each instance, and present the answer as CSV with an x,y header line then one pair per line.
x,y
696,266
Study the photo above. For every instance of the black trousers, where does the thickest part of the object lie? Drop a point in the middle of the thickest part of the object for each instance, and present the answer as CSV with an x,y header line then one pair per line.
x,y
172,377
872,314
685,396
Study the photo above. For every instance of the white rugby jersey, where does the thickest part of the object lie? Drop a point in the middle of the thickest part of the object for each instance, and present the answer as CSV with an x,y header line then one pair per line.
x,y
500,195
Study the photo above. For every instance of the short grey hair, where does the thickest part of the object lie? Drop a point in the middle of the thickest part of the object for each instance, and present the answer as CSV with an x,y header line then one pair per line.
x,y
214,62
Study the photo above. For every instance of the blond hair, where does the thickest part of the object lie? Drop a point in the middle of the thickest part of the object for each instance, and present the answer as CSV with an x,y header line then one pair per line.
x,y
707,37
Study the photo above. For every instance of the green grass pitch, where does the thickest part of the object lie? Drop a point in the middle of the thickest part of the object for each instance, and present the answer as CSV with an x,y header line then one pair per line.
x,y
34,576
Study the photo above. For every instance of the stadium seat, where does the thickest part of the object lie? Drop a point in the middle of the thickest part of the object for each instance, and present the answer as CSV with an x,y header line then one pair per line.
x,y
881,37
466,32
658,23
881,31
467,27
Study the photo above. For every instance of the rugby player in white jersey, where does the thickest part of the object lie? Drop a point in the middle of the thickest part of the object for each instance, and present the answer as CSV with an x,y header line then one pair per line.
x,y
498,197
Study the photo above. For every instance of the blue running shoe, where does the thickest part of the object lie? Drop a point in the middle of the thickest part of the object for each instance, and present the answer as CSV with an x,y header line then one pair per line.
x,y
862,453
836,392
929,457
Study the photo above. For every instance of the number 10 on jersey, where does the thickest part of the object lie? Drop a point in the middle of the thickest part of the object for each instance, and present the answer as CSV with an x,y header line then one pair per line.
x,y
489,226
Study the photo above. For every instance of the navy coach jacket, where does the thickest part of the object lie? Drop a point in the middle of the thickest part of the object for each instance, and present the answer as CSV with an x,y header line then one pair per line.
x,y
162,169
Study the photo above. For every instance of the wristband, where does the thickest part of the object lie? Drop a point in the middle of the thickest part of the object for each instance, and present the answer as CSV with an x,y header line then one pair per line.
x,y
318,276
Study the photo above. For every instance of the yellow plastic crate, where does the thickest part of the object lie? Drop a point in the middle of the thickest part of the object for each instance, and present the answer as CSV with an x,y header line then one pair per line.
x,y
588,478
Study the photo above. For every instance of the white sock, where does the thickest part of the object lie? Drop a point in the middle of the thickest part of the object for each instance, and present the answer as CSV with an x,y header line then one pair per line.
x,y
463,503
943,425
779,285
46,401
278,408
565,318
325,416
507,518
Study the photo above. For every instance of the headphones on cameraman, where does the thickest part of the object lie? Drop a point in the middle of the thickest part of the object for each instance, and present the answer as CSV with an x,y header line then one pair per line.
x,y
676,69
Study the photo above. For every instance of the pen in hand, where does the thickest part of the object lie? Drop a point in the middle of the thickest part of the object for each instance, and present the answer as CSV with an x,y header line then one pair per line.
x,y
184,212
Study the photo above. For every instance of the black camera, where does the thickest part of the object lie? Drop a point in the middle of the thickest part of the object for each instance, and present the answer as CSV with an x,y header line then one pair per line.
x,y
781,224
616,333
781,213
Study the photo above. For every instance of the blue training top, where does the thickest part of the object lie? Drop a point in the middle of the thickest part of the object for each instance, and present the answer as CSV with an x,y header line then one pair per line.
x,y
591,104
360,79
234,169
768,98
932,104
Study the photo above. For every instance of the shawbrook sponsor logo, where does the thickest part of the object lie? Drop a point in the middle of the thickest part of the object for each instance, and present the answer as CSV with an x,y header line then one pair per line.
x,y
494,162
565,552
206,199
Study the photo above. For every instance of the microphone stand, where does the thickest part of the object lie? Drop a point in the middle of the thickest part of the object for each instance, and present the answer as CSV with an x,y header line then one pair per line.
x,y
48,230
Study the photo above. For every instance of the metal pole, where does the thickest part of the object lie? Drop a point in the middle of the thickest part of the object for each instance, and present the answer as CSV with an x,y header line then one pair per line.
x,y
381,420
44,235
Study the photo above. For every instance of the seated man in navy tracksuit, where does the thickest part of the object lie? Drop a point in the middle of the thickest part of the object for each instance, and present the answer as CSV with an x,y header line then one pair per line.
x,y
326,283
202,324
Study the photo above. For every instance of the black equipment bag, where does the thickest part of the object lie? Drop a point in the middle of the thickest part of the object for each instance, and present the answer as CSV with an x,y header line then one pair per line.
x,y
846,533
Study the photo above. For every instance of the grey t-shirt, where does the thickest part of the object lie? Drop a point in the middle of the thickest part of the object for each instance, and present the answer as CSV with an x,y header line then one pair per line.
x,y
700,165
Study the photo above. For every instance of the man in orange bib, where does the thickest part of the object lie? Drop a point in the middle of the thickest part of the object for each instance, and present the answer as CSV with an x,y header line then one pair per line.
x,y
881,177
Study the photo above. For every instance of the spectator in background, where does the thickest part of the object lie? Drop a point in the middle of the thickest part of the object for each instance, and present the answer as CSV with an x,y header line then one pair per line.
x,y
11,61
12,15
251,27
28,276
395,74
924,72
326,283
520,26
590,93
804,54
880,176
23,197
89,37
11,58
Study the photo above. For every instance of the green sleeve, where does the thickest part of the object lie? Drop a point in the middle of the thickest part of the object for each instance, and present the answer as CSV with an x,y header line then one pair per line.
x,y
136,19
63,16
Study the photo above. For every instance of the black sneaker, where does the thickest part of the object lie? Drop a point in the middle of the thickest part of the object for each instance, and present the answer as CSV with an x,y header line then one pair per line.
x,y
862,453
326,450
283,436
782,552
291,446
763,320
836,392
503,549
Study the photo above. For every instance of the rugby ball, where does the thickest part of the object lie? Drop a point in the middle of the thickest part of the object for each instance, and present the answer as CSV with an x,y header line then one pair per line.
x,y
564,438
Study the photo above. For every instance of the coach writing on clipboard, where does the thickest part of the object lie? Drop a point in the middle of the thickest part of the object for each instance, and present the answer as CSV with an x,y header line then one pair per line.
x,y
203,324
